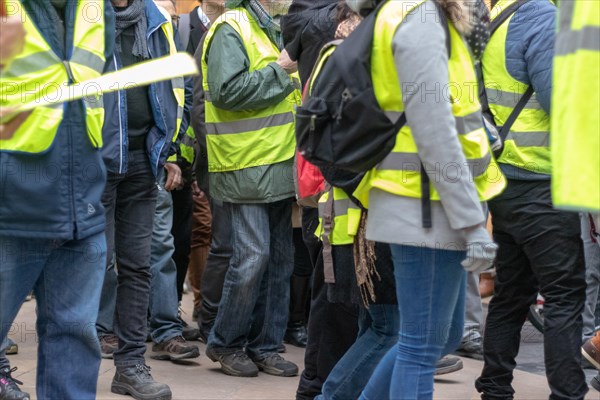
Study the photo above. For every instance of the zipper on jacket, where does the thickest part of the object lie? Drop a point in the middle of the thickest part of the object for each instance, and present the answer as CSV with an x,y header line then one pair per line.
x,y
69,40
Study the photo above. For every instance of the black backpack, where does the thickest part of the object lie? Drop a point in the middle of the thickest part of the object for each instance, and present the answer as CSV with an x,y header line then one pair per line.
x,y
340,123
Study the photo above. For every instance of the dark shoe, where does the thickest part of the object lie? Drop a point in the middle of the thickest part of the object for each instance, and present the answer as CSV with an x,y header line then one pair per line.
x,y
471,349
234,364
190,333
296,335
108,345
596,382
12,348
203,336
175,349
591,350
8,386
448,364
281,348
138,383
274,364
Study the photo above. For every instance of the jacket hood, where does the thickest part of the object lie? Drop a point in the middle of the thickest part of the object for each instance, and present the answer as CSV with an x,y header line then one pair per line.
x,y
460,12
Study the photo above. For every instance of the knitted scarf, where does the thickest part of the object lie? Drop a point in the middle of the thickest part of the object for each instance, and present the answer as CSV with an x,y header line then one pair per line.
x,y
133,15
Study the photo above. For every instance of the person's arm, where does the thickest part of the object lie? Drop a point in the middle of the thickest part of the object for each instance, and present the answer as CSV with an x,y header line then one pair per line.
x,y
109,31
232,85
530,48
421,60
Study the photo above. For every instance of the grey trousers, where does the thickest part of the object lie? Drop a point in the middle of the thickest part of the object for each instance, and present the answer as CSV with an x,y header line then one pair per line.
x,y
473,309
592,277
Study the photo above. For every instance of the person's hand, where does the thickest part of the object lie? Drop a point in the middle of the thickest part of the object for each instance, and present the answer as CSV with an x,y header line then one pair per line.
x,y
12,38
196,191
173,176
8,128
481,249
285,62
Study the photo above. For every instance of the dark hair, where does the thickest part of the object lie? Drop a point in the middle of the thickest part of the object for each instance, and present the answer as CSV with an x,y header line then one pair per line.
x,y
343,11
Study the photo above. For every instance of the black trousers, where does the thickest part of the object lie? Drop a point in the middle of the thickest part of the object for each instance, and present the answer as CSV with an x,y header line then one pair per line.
x,y
182,232
540,249
332,327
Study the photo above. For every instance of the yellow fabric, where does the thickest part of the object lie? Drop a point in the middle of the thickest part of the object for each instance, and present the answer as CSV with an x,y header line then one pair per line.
x,y
340,234
527,145
268,142
186,147
575,104
37,71
402,178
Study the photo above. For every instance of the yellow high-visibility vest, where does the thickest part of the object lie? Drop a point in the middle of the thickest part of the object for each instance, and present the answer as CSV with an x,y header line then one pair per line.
x,y
575,104
38,71
527,144
400,172
242,139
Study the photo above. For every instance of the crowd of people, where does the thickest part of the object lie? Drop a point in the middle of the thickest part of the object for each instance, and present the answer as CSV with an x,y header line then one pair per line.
x,y
113,205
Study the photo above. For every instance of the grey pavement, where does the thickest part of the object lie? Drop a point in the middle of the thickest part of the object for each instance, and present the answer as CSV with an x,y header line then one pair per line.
x,y
201,379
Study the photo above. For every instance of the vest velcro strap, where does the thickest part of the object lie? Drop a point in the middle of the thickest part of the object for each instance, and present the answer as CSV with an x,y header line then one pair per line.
x,y
87,58
510,99
248,125
328,221
530,139
571,41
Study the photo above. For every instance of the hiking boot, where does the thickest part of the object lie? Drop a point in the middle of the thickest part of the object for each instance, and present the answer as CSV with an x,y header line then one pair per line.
x,y
12,347
591,350
137,382
108,345
8,386
234,364
471,349
174,349
448,364
274,364
296,335
281,348
189,333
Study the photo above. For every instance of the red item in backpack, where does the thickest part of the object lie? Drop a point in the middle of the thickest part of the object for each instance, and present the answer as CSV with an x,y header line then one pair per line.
x,y
309,182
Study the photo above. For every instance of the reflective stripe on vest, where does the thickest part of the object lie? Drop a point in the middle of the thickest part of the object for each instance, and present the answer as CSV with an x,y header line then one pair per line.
x,y
400,172
527,144
186,147
339,229
575,104
37,72
242,139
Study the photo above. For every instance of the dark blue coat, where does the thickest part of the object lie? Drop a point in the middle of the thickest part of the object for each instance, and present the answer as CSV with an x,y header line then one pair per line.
x,y
159,145
56,195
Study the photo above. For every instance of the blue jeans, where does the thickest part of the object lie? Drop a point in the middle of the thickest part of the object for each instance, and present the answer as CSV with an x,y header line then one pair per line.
x,y
130,202
254,306
3,360
66,277
164,323
378,332
430,285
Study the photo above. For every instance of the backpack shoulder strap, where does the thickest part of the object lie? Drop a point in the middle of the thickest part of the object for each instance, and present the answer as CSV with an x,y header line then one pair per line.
x,y
515,113
184,30
504,15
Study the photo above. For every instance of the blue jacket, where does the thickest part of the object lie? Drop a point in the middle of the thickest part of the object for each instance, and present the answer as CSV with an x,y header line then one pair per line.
x,y
529,57
56,194
159,145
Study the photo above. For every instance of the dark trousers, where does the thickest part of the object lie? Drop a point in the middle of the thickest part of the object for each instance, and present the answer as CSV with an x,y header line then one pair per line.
x,y
217,265
130,201
182,232
332,327
540,249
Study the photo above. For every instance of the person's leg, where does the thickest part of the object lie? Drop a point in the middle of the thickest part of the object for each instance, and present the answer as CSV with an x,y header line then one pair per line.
x,y
592,277
379,332
68,296
200,246
332,328
515,290
299,293
182,233
217,265
430,289
251,251
134,221
164,323
471,344
555,251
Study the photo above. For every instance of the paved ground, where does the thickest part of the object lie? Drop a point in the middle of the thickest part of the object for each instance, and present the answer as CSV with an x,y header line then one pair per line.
x,y
202,380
